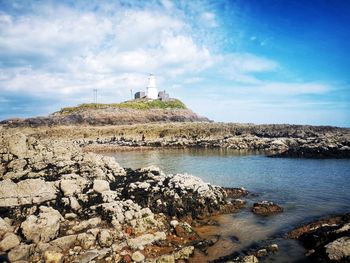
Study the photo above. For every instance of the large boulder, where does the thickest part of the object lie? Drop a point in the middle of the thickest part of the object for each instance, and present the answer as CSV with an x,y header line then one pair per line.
x,y
27,192
176,195
42,228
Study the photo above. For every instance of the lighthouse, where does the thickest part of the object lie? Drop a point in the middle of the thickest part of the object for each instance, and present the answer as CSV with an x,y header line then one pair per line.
x,y
152,92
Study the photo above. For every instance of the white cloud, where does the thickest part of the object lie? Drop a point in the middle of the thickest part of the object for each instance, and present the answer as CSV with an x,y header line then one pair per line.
x,y
246,62
293,88
66,51
209,19
61,33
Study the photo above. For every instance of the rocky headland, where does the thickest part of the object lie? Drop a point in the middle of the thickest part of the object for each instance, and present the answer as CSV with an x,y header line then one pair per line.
x,y
129,112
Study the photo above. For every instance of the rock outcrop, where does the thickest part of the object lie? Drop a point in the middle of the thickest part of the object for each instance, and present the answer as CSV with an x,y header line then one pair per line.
x,y
60,204
275,140
327,240
266,208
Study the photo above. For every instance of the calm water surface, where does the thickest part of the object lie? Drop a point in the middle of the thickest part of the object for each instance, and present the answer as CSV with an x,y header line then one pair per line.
x,y
306,188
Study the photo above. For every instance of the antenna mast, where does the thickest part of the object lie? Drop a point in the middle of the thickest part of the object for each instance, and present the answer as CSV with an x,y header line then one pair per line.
x,y
95,95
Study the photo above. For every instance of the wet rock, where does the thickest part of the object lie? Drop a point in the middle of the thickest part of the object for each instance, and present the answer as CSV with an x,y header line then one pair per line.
x,y
9,241
184,230
326,239
137,256
236,192
262,253
273,248
42,228
176,195
248,259
266,208
203,245
339,249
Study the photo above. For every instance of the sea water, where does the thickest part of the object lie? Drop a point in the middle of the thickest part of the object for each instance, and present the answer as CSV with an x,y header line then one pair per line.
x,y
307,189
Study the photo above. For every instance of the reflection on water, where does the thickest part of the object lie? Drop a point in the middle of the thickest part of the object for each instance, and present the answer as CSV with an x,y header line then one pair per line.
x,y
306,189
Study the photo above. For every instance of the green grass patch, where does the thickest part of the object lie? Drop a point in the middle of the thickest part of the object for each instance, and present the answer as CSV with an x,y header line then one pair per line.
x,y
140,104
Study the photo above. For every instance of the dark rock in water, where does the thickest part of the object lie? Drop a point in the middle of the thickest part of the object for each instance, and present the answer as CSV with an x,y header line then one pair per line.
x,y
205,244
316,152
251,254
234,239
328,240
236,192
266,208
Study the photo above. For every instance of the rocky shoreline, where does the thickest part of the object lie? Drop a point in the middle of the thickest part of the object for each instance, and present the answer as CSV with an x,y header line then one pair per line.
x,y
296,141
61,203
58,204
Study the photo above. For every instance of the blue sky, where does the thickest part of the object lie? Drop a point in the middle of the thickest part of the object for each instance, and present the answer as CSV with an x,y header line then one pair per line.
x,y
266,61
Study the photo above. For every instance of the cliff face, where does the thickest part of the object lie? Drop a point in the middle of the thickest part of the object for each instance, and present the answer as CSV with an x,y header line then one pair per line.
x,y
110,116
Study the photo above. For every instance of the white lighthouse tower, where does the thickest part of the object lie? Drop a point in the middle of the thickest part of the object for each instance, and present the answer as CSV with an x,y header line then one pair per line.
x,y
152,92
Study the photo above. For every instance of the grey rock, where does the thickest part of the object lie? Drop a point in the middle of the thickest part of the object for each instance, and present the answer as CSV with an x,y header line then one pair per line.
x,y
9,241
101,186
72,184
146,239
30,191
338,249
42,228
64,242
20,252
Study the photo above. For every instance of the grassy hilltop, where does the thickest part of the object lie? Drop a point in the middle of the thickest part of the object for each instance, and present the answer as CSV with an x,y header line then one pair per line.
x,y
128,112
139,104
